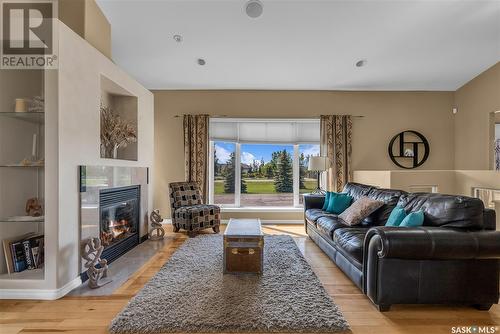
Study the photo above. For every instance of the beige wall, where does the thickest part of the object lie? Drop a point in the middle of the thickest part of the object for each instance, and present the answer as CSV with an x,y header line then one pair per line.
x,y
86,19
476,100
97,28
386,113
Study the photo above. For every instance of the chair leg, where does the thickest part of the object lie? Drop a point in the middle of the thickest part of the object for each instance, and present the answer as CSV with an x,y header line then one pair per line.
x,y
216,228
176,228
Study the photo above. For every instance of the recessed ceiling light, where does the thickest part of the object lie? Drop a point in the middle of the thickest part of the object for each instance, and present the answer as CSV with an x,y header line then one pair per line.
x,y
178,38
254,8
201,61
361,63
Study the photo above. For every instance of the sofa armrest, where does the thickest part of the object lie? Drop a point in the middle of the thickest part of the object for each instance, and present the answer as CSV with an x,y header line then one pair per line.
x,y
431,243
313,201
490,219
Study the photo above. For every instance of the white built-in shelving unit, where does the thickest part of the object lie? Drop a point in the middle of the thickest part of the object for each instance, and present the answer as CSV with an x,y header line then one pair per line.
x,y
22,162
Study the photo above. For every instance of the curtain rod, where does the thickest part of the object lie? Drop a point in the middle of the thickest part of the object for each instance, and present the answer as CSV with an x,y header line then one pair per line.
x,y
284,118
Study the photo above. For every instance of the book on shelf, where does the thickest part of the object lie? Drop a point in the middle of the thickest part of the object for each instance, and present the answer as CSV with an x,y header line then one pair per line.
x,y
8,250
32,251
18,257
24,252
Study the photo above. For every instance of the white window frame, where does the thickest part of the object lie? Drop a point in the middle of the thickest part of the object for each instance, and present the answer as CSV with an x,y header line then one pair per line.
x,y
237,176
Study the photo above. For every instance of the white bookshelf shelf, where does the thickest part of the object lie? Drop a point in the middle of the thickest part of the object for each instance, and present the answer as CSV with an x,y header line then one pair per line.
x,y
32,117
21,166
22,219
35,274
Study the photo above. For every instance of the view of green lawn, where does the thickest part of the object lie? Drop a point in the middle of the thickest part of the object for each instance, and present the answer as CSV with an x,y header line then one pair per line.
x,y
263,186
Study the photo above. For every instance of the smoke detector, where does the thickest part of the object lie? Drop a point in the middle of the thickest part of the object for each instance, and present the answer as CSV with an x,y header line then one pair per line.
x,y
254,8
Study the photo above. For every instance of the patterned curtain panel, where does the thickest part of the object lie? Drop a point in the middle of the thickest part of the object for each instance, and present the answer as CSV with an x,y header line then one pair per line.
x,y
196,150
497,154
336,138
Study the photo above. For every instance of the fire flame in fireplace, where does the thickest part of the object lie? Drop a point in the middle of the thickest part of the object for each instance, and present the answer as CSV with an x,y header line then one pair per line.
x,y
115,230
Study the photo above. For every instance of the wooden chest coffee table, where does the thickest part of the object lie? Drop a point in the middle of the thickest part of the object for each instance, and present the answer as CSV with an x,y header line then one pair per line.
x,y
243,246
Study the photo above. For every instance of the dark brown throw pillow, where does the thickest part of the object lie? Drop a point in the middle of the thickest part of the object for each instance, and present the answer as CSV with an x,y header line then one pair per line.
x,y
359,210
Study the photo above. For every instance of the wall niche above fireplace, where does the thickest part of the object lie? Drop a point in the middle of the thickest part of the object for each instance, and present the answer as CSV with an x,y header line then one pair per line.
x,y
118,124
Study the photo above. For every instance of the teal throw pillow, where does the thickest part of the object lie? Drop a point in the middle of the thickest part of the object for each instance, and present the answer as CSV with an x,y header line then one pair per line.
x,y
338,202
413,219
396,217
327,199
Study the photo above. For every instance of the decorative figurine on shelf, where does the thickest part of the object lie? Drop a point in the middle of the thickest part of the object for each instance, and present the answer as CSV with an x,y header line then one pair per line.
x,y
91,253
157,233
21,105
34,207
37,104
409,153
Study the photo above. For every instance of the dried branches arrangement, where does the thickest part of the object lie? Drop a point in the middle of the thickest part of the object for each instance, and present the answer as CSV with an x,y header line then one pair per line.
x,y
115,133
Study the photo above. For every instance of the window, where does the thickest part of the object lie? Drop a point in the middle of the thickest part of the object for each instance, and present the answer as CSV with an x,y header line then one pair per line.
x,y
272,156
224,172
267,175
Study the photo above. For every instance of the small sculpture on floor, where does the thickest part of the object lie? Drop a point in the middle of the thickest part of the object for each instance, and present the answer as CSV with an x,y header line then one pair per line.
x,y
91,253
157,233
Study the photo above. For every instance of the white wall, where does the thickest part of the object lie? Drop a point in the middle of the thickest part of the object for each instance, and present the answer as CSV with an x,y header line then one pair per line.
x,y
444,180
80,68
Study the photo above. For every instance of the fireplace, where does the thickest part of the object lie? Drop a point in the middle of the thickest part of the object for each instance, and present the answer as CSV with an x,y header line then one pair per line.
x,y
119,212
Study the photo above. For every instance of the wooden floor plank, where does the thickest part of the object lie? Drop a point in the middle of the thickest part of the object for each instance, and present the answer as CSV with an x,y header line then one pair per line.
x,y
78,315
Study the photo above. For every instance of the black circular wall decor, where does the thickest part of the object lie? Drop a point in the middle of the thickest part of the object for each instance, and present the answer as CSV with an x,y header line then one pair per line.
x,y
409,149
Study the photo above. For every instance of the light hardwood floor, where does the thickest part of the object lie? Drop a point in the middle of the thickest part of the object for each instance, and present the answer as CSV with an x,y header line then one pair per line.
x,y
93,314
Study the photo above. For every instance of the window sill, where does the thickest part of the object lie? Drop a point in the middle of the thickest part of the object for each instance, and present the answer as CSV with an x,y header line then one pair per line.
x,y
262,209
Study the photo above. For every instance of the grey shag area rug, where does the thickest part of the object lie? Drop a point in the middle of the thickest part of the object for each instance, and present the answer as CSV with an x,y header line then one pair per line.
x,y
191,294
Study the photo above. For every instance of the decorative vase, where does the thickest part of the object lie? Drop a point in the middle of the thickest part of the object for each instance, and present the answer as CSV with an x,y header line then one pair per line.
x,y
109,152
103,151
21,105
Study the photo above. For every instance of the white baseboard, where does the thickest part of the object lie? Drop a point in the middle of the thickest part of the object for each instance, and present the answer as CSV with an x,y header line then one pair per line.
x,y
41,294
264,222
273,222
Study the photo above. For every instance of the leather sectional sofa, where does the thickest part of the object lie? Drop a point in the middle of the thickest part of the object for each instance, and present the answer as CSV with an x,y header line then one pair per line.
x,y
452,259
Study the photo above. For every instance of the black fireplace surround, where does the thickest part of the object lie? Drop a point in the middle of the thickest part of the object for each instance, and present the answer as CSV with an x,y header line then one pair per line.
x,y
119,212
452,259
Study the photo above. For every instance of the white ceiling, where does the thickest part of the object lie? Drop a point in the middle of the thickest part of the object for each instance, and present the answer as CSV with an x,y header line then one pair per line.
x,y
408,45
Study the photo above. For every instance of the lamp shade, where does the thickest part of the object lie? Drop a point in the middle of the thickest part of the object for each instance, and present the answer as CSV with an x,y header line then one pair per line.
x,y
317,164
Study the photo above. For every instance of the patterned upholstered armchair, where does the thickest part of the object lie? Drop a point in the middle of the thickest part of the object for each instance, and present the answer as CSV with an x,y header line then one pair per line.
x,y
188,210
